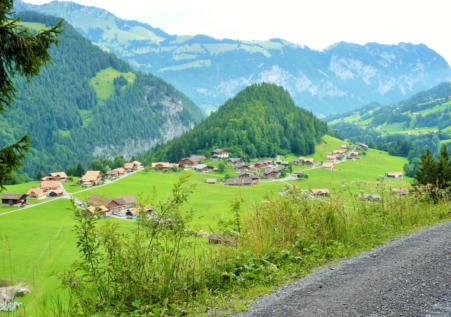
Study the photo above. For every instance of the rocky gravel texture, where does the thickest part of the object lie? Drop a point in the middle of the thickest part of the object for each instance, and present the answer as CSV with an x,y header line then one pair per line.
x,y
410,276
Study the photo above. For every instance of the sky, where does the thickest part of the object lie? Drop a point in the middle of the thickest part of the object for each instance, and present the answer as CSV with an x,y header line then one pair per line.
x,y
315,23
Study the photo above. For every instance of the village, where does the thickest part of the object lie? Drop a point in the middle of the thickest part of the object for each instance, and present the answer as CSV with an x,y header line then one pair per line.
x,y
245,174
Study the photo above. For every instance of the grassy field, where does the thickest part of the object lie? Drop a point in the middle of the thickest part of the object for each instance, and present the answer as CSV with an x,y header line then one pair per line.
x,y
103,83
210,202
357,175
39,241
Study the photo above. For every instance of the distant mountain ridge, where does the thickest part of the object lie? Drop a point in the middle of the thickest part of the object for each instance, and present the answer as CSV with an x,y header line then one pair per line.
x,y
260,121
426,113
209,71
89,103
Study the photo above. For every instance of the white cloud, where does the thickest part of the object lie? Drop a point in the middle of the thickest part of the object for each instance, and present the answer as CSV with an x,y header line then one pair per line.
x,y
315,23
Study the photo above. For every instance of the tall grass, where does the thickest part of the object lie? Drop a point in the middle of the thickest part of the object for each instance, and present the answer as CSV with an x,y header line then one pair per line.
x,y
162,268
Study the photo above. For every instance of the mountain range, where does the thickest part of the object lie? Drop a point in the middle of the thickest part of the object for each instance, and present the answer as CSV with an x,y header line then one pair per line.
x,y
342,77
89,103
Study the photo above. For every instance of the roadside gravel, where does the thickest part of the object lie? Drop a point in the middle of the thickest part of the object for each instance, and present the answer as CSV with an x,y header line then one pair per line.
x,y
410,276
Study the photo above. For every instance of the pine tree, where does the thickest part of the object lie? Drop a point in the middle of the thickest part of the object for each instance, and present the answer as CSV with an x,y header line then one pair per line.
x,y
427,171
22,53
80,171
444,169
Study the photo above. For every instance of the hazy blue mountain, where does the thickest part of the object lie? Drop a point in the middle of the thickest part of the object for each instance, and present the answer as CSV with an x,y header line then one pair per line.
x,y
89,103
341,78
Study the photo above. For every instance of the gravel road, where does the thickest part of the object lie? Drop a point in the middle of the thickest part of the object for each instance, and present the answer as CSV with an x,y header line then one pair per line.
x,y
410,276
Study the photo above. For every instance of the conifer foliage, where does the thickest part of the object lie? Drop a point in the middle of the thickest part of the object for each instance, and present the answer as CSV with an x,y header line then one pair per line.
x,y
21,53
260,121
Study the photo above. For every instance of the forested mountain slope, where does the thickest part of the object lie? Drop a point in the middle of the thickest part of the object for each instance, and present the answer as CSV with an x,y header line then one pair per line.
x,y
340,78
260,121
427,112
90,103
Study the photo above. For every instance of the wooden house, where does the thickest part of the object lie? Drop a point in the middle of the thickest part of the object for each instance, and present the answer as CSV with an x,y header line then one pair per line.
x,y
128,167
136,165
273,172
396,175
58,176
112,174
14,199
307,161
56,193
162,166
220,153
328,166
90,178
50,185
322,192
331,158
236,161
188,161
36,193
203,168
120,171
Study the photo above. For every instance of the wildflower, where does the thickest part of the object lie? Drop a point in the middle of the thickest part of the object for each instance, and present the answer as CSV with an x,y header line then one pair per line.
x,y
74,283
171,281
4,299
362,236
385,226
17,306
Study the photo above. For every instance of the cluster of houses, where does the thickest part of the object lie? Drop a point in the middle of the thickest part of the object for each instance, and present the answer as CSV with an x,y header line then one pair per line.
x,y
91,178
51,185
118,206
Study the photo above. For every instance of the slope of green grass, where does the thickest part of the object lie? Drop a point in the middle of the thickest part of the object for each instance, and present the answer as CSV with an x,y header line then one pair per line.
x,y
210,202
35,244
103,82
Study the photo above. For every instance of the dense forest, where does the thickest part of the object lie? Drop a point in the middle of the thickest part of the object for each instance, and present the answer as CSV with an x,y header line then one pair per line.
x,y
260,121
73,115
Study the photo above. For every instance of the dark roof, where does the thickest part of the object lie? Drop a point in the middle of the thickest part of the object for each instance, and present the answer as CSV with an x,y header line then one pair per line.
x,y
13,196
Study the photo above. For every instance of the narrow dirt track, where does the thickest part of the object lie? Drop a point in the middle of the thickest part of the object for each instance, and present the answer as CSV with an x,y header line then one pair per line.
x,y
410,276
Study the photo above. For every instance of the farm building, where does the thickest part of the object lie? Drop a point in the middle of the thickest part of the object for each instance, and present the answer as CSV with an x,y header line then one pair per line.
x,y
58,176
112,174
56,193
128,167
247,181
362,145
50,185
114,204
163,166
354,154
189,161
136,165
202,168
396,175
331,158
273,172
328,166
323,192
236,161
298,172
263,164
220,153
211,181
14,199
36,193
90,178
307,161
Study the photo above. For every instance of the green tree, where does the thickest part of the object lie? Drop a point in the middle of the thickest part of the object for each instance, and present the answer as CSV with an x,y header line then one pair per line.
x,y
221,167
427,171
40,175
21,53
80,171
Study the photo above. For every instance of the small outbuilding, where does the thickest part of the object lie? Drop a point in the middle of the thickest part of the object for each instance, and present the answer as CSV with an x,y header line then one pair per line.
x,y
14,199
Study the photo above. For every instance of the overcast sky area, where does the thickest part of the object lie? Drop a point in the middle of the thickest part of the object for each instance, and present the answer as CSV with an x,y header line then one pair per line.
x,y
315,23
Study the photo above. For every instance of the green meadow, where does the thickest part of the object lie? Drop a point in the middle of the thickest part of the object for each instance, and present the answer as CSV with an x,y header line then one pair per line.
x,y
38,242
103,82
